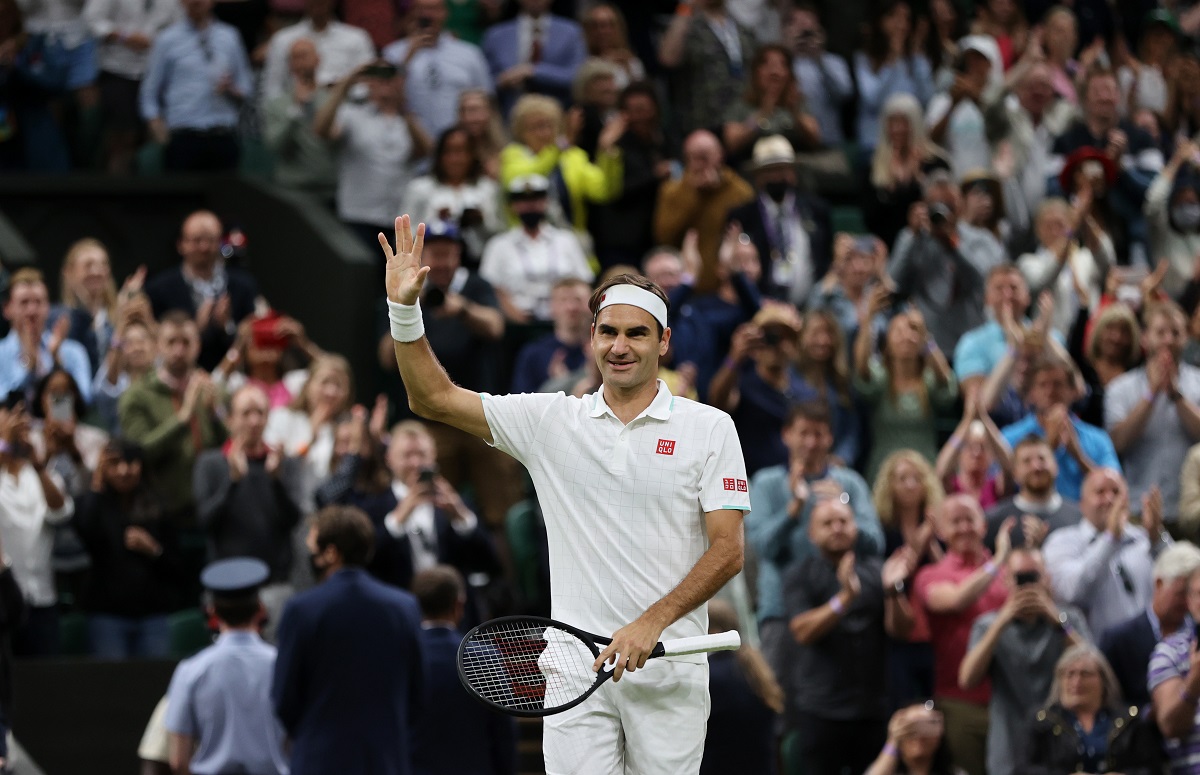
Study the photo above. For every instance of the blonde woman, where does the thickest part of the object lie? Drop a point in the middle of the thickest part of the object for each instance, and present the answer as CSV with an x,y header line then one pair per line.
x,y
903,155
1105,349
89,297
825,372
906,494
305,428
906,383
1085,727
480,116
544,143
607,38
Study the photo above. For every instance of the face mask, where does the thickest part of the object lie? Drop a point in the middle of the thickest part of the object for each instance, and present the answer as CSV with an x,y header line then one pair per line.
x,y
1186,216
776,189
531,220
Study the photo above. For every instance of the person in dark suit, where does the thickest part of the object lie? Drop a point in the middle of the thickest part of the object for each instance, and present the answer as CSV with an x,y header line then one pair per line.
x,y
349,675
215,296
534,53
1128,646
790,228
451,715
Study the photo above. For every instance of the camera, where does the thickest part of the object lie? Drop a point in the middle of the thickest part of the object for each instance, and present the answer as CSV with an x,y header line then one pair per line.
x,y
381,70
939,214
1026,577
424,22
772,337
427,475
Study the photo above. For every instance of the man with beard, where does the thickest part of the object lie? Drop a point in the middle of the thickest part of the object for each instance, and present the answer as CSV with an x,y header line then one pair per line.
x,y
790,228
1152,412
1037,505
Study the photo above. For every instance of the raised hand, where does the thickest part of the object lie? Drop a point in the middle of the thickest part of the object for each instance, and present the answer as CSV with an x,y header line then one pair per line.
x,y
404,276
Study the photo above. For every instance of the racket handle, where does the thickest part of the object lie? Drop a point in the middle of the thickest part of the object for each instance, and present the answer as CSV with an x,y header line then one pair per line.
x,y
701,644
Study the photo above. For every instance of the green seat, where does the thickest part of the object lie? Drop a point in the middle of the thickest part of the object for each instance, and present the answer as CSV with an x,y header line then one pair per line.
x,y
789,749
189,632
520,526
73,634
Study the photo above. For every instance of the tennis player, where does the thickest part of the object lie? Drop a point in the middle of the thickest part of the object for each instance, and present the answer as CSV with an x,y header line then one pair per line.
x,y
643,495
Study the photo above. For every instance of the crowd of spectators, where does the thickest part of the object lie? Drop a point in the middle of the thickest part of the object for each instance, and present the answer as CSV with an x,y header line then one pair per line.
x,y
969,400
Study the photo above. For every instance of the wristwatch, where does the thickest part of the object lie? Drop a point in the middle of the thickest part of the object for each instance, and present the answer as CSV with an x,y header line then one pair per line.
x,y
896,589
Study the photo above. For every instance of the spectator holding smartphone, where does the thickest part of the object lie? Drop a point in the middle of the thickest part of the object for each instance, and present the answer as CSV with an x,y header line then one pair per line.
x,y
376,143
72,449
137,576
32,503
1018,647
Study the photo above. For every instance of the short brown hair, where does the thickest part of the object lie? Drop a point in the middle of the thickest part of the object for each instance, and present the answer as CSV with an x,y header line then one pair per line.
x,y
439,589
349,530
635,280
26,275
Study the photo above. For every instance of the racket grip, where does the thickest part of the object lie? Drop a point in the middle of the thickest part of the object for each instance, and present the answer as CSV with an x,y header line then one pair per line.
x,y
702,644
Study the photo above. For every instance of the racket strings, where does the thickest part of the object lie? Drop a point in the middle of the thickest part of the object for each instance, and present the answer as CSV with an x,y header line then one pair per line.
x,y
527,667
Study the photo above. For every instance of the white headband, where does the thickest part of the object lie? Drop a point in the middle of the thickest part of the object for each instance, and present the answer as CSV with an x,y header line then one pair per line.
x,y
635,297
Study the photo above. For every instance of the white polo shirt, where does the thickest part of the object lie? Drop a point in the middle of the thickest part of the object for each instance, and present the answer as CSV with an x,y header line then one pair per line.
x,y
624,504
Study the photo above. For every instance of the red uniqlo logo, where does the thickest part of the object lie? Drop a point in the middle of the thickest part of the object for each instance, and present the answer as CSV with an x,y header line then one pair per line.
x,y
730,484
741,483
666,447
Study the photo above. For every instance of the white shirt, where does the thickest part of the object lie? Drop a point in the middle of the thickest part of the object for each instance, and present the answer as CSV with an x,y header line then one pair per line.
x,y
148,17
965,137
293,431
624,504
27,529
526,268
437,75
421,529
1110,581
1041,271
342,48
374,152
62,20
525,30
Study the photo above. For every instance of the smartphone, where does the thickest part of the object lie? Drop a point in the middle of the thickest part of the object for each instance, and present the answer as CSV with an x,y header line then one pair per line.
x,y
427,475
424,22
62,408
381,70
1026,577
14,399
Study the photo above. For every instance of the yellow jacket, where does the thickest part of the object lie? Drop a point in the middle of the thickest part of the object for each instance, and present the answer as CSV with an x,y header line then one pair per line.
x,y
587,182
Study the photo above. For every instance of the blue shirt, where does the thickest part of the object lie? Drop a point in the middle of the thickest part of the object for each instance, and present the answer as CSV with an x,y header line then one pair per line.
x,y
781,541
532,368
1095,444
825,83
222,699
183,71
910,75
72,356
981,348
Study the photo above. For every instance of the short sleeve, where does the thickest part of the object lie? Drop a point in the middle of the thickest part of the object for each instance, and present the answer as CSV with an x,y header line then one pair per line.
x,y
723,482
179,718
348,120
925,578
1119,399
515,420
1163,666
970,358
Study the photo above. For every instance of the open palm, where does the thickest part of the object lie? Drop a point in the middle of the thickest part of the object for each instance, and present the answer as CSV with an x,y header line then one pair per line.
x,y
404,276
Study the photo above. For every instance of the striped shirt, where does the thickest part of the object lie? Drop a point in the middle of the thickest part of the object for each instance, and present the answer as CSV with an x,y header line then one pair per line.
x,y
1171,659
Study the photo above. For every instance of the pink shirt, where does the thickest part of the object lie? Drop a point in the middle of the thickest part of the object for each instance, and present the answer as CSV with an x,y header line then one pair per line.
x,y
951,633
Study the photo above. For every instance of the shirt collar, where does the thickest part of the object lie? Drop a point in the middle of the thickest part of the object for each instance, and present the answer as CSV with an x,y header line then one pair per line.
x,y
659,409
1052,505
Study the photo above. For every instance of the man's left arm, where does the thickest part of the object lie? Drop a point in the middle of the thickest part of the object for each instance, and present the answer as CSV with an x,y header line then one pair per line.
x,y
562,74
718,565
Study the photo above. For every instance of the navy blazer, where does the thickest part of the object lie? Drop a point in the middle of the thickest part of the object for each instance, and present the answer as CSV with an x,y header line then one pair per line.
x,y
349,676
1127,647
813,215
168,290
457,734
563,51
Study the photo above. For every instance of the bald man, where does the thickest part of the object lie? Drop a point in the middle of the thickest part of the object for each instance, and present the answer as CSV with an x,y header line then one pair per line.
x,y
217,297
1104,565
700,200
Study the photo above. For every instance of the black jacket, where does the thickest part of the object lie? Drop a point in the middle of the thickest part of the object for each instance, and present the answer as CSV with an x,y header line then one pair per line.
x,y
814,217
1128,647
1134,747
168,290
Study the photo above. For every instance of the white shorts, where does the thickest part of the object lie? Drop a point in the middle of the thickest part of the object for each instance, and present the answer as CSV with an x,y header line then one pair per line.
x,y
651,723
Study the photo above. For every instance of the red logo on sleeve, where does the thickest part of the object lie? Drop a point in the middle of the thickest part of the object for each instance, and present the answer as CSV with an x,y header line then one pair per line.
x,y
730,484
666,447
741,485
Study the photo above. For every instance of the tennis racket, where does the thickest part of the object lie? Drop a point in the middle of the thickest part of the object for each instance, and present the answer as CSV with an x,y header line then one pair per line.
x,y
530,666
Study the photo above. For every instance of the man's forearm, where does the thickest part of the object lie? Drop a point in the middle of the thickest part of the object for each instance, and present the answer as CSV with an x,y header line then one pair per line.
x,y
712,571
424,377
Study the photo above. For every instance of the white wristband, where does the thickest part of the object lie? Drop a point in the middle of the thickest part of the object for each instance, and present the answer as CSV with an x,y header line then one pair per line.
x,y
406,322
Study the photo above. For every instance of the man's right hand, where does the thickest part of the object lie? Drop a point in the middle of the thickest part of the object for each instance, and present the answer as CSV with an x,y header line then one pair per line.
x,y
404,276
918,218
847,576
159,131
238,464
